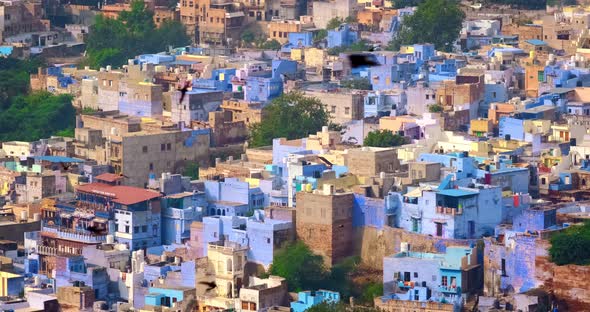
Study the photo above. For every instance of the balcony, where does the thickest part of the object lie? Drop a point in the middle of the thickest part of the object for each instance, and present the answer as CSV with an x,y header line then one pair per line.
x,y
68,234
449,210
47,251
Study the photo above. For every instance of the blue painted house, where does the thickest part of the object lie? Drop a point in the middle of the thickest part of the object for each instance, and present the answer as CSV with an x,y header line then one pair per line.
x,y
308,299
342,36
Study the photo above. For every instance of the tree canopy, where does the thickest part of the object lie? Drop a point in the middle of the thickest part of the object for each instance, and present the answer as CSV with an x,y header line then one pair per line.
x,y
114,41
292,116
28,117
435,108
302,268
35,116
384,138
435,21
572,246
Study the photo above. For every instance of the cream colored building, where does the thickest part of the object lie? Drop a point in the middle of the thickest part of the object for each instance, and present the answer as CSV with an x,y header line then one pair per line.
x,y
16,149
225,266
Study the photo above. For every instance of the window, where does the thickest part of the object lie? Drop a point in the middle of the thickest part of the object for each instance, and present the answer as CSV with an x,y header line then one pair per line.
x,y
144,228
127,229
415,274
471,225
333,110
494,94
427,96
168,146
444,282
151,166
136,229
347,110
544,181
407,276
162,146
144,149
504,267
268,240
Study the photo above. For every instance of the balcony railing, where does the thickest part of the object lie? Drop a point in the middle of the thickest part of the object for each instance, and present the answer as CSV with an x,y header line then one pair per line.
x,y
47,251
74,236
449,210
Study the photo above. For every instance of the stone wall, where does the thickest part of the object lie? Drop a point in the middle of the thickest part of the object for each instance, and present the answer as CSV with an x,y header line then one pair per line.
x,y
372,244
570,284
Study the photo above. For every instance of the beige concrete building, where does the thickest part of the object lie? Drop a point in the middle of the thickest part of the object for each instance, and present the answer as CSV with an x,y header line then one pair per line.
x,y
139,150
343,105
263,294
279,30
324,223
371,161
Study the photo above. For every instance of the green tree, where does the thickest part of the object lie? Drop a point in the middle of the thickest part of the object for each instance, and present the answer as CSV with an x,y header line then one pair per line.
x,y
271,45
571,246
356,83
334,23
444,16
114,41
435,108
383,138
292,116
69,132
319,36
299,266
248,36
15,78
35,116
371,291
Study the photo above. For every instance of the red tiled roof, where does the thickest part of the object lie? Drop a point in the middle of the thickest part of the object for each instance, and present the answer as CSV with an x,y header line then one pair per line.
x,y
124,195
108,177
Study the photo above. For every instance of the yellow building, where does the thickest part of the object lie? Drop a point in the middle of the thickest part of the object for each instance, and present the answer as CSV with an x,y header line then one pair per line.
x,y
314,57
481,127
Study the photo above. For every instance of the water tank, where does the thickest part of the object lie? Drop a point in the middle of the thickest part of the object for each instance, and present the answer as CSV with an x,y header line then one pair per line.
x,y
177,260
325,129
37,280
382,175
37,216
308,187
110,239
404,247
24,215
109,68
163,257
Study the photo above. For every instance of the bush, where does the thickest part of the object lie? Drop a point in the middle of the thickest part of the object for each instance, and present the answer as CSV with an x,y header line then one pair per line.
x,y
384,138
572,246
435,108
